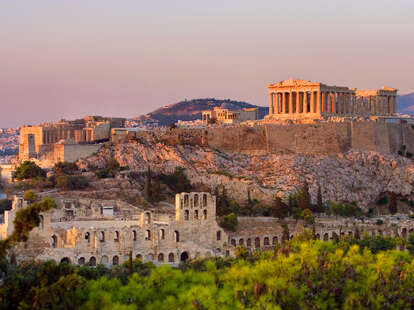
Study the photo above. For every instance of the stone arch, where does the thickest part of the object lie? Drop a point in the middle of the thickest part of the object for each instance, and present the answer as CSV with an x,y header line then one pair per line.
x,y
81,261
92,261
161,257
218,235
116,236
275,240
184,256
196,214
104,260
249,242
233,242
196,201
65,260
204,200
134,235
186,215
115,260
204,214
318,236
171,258
186,201
138,257
147,218
325,237
53,242
241,242
148,234
266,241
257,242
207,255
176,236
149,257
162,234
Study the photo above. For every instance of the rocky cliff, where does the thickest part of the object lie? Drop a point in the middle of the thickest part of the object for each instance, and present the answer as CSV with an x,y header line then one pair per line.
x,y
360,176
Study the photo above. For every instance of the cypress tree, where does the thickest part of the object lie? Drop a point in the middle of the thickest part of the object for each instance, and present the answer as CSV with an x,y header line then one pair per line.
x,y
319,200
304,201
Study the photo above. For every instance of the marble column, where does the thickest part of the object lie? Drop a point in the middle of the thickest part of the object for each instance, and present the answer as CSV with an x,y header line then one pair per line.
x,y
305,102
283,103
334,103
297,108
394,99
318,103
270,103
290,102
312,101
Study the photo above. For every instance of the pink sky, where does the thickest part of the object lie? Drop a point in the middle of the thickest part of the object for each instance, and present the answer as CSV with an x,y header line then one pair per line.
x,y
65,59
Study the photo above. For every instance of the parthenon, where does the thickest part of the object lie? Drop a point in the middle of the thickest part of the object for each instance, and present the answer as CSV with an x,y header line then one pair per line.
x,y
295,99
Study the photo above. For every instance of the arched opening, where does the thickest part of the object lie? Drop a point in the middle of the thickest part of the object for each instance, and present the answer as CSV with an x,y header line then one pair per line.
x,y
184,257
171,258
275,240
65,260
219,235
257,242
176,236
147,234
104,260
81,261
326,237
196,214
139,257
186,201
162,234
160,257
116,236
249,242
102,236
318,236
53,241
380,232
186,215
134,235
411,231
87,236
196,201
149,258
204,200
233,242
92,261
147,218
241,242
349,233
266,241
115,260
204,214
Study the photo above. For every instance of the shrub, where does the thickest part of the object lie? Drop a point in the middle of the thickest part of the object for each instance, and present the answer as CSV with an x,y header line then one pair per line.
x,y
229,222
409,154
29,170
177,181
69,182
30,196
65,168
382,201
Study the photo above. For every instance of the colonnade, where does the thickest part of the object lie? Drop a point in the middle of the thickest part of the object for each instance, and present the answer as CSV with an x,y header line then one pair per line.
x,y
330,103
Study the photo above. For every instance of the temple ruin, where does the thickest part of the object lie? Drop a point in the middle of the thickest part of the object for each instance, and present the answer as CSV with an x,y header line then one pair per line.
x,y
297,99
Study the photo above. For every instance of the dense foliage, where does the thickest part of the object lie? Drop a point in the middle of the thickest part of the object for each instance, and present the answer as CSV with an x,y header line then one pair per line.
x,y
177,181
29,170
299,274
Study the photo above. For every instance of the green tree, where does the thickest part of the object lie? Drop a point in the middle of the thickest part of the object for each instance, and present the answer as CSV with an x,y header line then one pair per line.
x,y
229,222
285,232
410,243
392,205
71,182
65,168
319,203
308,217
279,209
30,196
305,200
29,170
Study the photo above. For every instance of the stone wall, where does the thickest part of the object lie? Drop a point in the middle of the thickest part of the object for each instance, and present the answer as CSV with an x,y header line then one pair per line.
x,y
73,152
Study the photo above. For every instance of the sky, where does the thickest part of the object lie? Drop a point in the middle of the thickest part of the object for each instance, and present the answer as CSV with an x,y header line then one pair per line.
x,y
71,58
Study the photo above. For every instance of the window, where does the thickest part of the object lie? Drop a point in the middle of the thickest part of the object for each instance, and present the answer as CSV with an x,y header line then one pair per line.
x,y
147,218
275,240
249,242
87,237
196,201
171,258
116,238
160,257
102,236
134,235
147,235
115,260
176,236
266,241
162,234
92,261
186,215
81,261
186,201
219,235
204,214
196,214
241,242
257,242
233,242
204,200
53,241
139,257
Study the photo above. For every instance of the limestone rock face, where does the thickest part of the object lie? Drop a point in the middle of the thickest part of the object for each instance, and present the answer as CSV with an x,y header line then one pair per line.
x,y
351,176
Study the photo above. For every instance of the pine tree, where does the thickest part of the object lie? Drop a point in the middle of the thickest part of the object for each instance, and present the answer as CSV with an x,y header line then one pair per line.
x,y
279,209
148,185
319,200
304,201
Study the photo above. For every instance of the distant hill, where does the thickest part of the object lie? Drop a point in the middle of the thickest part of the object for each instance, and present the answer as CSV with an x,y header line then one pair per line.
x,y
405,104
189,110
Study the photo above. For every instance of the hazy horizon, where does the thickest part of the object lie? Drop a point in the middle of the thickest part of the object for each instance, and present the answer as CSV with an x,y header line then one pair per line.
x,y
68,59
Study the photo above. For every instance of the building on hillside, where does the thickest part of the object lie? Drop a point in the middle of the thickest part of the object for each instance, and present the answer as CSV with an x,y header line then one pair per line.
x,y
7,173
39,141
227,116
297,99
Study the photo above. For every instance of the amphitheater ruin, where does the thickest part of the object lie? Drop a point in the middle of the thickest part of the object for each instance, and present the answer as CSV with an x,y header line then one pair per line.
x,y
87,232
